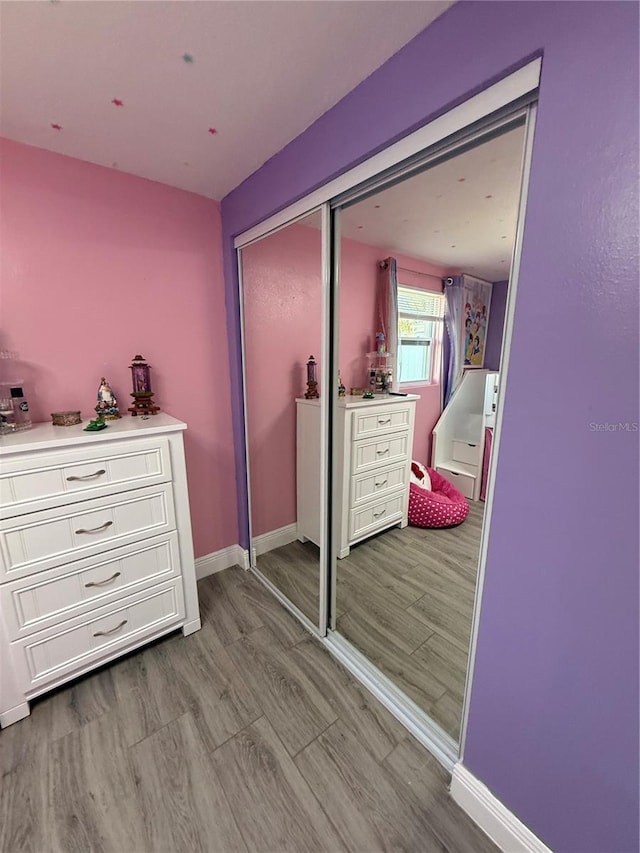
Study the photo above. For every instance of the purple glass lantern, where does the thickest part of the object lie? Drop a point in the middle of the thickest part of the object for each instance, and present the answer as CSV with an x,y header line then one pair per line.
x,y
142,394
312,381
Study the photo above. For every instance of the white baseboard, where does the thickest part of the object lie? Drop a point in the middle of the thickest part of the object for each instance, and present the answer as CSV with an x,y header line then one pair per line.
x,y
501,825
8,718
234,555
275,539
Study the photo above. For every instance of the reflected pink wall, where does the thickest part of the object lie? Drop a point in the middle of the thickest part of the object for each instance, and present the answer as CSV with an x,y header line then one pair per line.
x,y
282,292
428,407
282,289
98,266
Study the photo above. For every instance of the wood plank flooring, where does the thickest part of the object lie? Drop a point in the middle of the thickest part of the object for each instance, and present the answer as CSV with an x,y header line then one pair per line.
x,y
412,577
245,736
295,570
405,599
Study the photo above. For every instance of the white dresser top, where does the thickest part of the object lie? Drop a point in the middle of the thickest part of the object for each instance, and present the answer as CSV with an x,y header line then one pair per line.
x,y
351,402
45,435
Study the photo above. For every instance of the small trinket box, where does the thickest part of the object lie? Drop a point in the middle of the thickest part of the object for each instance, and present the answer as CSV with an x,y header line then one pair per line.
x,y
65,418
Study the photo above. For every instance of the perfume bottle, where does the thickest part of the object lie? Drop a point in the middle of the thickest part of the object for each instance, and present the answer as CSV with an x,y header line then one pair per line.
x,y
341,389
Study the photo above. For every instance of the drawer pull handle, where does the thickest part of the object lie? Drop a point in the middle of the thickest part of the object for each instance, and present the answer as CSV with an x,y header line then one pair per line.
x,y
381,483
382,423
378,514
87,476
382,452
105,581
111,630
95,529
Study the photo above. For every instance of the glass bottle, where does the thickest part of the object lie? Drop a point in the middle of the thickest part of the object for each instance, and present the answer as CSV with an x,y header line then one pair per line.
x,y
21,416
14,407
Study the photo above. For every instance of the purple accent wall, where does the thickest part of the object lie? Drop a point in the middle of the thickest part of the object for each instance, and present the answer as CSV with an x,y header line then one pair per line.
x,y
497,311
553,727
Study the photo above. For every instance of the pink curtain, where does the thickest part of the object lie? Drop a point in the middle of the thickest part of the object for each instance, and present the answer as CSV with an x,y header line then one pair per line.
x,y
486,461
387,308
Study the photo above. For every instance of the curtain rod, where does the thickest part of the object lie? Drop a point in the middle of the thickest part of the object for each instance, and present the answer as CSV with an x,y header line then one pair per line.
x,y
417,272
383,265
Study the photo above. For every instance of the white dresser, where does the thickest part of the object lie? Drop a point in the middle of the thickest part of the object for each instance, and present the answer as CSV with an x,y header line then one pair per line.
x,y
96,553
374,440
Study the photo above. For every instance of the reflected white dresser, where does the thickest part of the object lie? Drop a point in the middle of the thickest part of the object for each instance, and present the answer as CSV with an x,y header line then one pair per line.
x,y
96,552
374,441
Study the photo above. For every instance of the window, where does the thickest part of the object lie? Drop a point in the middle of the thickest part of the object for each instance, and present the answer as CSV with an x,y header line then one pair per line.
x,y
420,323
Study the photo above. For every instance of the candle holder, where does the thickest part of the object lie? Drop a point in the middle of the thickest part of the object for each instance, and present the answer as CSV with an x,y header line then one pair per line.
x,y
312,382
142,394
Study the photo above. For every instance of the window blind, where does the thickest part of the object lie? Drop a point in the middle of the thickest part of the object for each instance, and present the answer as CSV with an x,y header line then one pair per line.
x,y
420,303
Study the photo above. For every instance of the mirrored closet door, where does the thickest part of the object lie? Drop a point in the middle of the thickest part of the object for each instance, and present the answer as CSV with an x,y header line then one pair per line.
x,y
281,287
424,264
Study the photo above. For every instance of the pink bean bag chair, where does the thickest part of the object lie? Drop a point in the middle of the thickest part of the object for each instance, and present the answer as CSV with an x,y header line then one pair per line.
x,y
441,506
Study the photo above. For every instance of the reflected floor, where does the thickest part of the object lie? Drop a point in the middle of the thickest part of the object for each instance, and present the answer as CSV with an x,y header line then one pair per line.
x,y
295,570
405,600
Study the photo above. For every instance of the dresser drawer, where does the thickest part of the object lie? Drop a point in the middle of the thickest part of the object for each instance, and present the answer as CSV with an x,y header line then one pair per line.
x,y
380,420
376,454
48,479
376,516
72,646
378,483
461,451
46,598
50,538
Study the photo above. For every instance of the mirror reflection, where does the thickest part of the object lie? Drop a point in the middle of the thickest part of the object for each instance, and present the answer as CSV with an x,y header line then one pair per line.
x,y
282,306
424,275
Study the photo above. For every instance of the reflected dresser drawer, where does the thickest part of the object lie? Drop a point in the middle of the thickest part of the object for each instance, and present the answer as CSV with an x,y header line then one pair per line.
x,y
371,454
376,516
373,446
382,420
377,483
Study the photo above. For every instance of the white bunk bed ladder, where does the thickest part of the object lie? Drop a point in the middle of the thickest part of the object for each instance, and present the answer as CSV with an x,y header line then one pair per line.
x,y
458,437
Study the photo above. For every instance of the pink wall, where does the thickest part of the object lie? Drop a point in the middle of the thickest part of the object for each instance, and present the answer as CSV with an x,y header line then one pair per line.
x,y
359,265
282,296
97,266
282,281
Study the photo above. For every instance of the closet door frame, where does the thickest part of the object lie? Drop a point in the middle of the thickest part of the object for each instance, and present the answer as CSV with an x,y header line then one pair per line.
x,y
320,627
519,86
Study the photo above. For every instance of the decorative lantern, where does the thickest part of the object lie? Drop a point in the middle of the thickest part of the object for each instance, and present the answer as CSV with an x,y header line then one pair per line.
x,y
142,394
312,382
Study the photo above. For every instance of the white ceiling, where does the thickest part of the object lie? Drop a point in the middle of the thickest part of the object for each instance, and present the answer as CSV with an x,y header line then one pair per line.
x,y
461,214
261,73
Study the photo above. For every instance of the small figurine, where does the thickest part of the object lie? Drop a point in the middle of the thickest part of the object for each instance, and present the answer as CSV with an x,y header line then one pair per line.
x,y
107,404
341,389
96,424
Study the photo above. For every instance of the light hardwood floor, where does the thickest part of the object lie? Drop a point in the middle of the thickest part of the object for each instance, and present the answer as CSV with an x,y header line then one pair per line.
x,y
295,570
405,600
245,736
